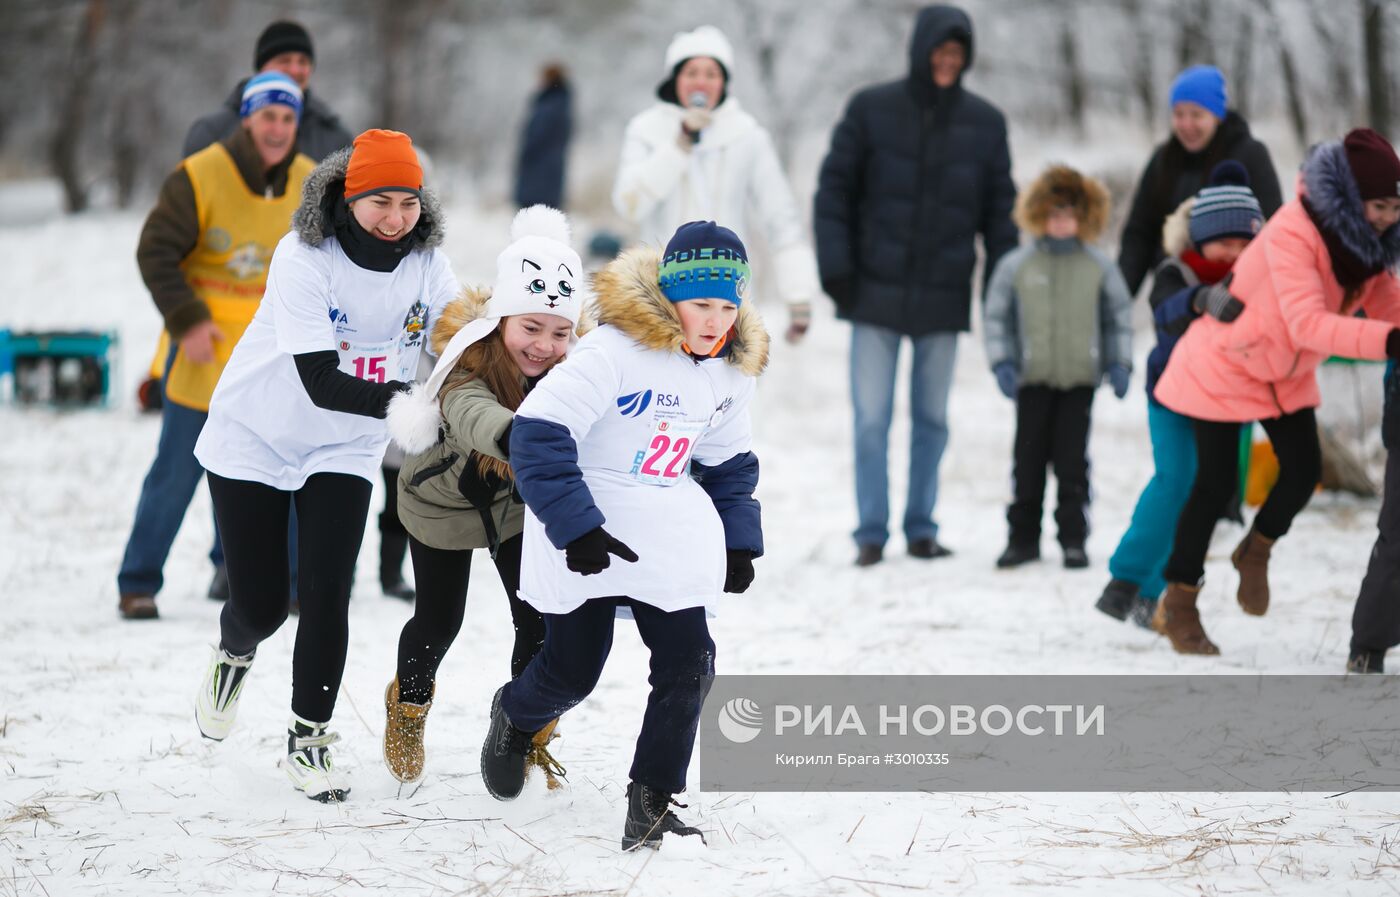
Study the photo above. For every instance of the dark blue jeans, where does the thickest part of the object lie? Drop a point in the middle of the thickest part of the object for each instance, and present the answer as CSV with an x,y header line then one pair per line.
x,y
576,646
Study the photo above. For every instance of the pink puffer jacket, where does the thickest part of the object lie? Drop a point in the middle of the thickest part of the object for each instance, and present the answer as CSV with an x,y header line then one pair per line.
x,y
1263,365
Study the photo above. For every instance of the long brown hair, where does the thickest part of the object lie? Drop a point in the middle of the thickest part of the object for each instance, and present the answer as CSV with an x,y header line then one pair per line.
x,y
488,360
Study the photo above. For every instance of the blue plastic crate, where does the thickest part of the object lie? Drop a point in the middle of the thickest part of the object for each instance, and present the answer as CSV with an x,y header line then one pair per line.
x,y
58,367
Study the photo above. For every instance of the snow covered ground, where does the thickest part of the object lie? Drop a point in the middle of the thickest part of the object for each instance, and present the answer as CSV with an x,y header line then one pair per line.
x,y
107,788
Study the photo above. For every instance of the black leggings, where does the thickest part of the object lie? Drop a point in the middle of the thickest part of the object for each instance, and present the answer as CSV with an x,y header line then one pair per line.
x,y
331,511
1294,437
441,578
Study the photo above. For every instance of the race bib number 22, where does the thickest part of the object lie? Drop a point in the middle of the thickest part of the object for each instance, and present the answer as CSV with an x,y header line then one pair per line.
x,y
666,457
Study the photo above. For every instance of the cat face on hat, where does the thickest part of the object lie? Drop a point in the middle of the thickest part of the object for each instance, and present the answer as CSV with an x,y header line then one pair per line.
x,y
545,276
539,272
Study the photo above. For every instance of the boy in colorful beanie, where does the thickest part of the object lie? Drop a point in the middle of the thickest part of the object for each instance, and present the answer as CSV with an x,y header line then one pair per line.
x,y
644,429
1058,320
1201,239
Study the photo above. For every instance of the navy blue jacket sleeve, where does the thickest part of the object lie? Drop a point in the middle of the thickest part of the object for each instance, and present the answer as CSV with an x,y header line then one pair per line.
x,y
730,486
1175,312
545,460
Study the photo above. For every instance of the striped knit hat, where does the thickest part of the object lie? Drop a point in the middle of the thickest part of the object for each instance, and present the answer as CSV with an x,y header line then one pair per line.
x,y
704,261
267,89
1227,208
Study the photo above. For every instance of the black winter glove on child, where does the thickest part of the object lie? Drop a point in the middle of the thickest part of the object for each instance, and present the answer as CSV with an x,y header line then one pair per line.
x,y
477,487
588,554
738,575
1216,301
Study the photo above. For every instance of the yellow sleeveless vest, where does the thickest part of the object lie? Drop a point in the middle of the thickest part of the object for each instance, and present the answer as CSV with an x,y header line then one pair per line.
x,y
238,231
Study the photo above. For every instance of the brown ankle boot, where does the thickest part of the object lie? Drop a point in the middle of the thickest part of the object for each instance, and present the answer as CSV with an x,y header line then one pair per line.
x,y
1176,617
539,756
403,734
1251,558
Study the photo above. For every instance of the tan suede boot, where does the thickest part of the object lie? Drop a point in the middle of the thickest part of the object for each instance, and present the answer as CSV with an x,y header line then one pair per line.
x,y
1251,558
1177,618
540,757
403,734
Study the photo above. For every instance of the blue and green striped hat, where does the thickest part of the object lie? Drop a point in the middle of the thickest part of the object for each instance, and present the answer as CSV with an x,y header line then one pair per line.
x,y
704,261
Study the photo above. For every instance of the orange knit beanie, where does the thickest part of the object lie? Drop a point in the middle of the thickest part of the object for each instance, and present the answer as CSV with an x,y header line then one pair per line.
x,y
382,161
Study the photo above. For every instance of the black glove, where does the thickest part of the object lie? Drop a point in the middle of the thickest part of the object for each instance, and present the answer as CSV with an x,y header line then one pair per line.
x,y
841,290
588,554
1392,345
504,441
478,488
1216,301
738,575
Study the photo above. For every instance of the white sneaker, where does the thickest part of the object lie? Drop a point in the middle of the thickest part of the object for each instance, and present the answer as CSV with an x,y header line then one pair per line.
x,y
216,704
308,761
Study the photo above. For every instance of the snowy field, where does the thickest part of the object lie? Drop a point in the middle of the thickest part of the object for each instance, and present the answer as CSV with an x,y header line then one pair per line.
x,y
107,788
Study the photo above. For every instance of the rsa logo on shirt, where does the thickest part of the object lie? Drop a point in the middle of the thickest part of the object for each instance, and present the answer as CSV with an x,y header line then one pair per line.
x,y
341,321
634,403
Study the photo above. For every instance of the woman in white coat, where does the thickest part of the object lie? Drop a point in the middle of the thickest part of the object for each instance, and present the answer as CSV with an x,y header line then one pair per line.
x,y
697,155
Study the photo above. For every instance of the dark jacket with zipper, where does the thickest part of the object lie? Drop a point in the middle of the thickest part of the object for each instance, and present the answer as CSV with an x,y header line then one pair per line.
x,y
1173,175
914,174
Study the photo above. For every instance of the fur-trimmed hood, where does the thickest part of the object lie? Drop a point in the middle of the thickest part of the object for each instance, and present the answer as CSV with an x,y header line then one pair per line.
x,y
629,298
313,220
1327,183
1176,230
1062,185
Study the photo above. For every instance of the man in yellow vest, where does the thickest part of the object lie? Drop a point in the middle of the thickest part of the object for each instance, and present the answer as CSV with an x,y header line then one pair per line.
x,y
203,255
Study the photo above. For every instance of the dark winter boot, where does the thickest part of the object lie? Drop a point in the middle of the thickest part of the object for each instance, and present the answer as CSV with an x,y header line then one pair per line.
x,y
1018,553
1178,619
503,754
870,555
1118,598
392,546
1365,660
1076,558
928,549
137,607
1251,558
649,817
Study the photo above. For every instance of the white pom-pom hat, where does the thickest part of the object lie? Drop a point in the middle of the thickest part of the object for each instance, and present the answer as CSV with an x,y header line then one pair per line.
x,y
538,273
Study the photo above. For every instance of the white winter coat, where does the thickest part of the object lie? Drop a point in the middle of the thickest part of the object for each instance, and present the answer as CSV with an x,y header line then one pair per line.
x,y
732,177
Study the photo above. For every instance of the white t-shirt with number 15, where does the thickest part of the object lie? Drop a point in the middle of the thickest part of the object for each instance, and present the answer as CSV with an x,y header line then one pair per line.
x,y
262,425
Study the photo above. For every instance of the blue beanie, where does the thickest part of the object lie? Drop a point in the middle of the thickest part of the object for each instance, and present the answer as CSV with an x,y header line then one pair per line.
x,y
704,261
1226,208
267,89
1203,85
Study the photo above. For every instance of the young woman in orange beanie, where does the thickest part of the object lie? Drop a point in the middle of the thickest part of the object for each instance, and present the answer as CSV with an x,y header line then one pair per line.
x,y
298,419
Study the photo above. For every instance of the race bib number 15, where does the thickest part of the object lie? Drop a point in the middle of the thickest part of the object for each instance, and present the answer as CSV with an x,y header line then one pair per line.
x,y
372,362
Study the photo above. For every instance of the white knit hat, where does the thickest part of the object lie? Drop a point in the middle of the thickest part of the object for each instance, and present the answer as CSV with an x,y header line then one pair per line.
x,y
707,40
538,273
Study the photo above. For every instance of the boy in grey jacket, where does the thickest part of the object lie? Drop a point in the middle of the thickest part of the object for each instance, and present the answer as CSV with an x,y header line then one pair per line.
x,y
1057,321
